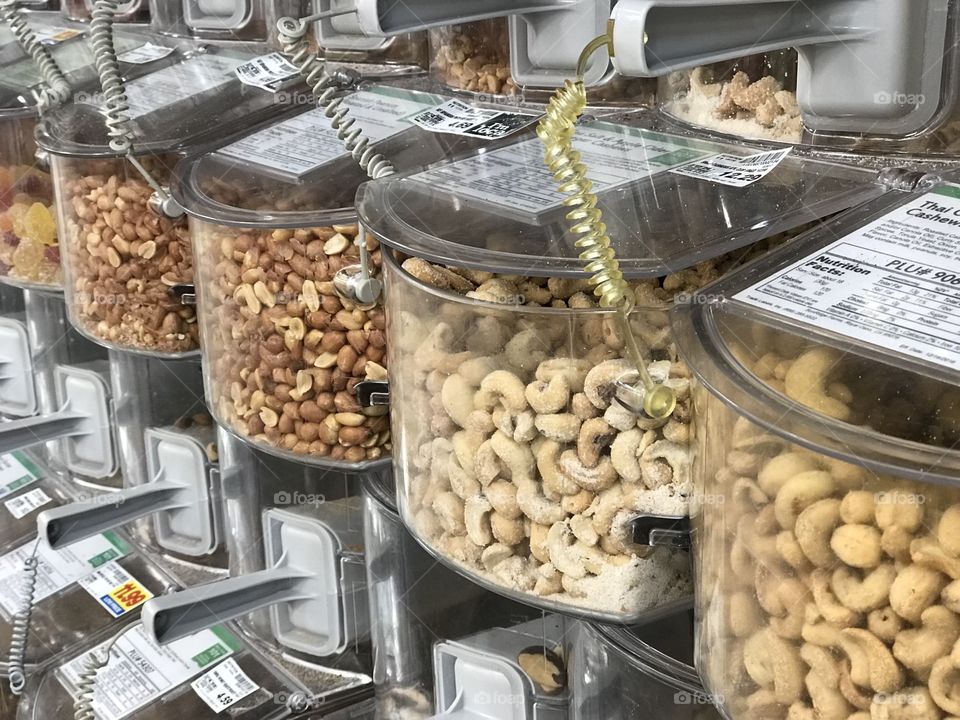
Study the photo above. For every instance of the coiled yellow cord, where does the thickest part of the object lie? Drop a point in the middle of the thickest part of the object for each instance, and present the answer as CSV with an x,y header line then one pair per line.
x,y
556,130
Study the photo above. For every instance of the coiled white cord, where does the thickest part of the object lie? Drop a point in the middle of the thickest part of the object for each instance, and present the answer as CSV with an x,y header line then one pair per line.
x,y
20,625
57,89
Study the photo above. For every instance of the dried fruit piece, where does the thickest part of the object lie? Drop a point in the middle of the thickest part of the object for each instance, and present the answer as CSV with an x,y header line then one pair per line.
x,y
38,224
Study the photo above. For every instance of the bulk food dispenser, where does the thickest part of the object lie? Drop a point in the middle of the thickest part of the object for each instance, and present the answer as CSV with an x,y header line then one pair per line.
x,y
230,20
29,254
826,468
126,249
127,11
518,459
868,78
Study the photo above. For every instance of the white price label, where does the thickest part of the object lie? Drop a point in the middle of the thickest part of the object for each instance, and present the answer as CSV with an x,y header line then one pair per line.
x,y
458,118
139,671
302,144
225,685
734,170
54,36
115,589
145,54
268,72
16,471
178,83
516,177
23,505
894,283
56,569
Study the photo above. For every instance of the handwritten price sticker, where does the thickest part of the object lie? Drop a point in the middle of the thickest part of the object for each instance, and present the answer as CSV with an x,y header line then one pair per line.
x,y
128,596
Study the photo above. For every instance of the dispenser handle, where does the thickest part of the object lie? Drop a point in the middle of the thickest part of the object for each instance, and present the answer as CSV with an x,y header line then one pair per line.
x,y
656,37
174,616
20,434
379,18
67,524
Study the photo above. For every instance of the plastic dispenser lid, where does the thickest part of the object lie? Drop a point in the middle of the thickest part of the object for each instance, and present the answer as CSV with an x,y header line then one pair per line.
x,y
190,529
500,210
288,163
195,98
876,293
313,625
83,390
217,14
18,395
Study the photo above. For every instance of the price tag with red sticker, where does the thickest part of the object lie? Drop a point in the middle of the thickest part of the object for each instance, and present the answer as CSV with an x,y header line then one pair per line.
x,y
116,589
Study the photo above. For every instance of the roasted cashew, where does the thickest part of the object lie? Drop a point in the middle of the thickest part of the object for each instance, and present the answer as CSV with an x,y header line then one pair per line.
x,y
793,595
858,507
516,456
832,610
508,531
600,384
461,482
473,371
863,593
828,702
449,510
548,397
555,482
465,445
486,464
885,624
895,508
582,407
791,552
857,545
604,509
625,452
494,555
619,417
562,427
927,552
782,468
538,542
916,588
570,556
526,350
595,435
577,504
549,580
774,663
457,397
944,685
582,528
534,505
872,665
950,596
664,462
821,662
919,649
856,696
948,530
807,379
814,528
574,372
476,519
912,703
895,542
501,386
744,616
594,479
800,492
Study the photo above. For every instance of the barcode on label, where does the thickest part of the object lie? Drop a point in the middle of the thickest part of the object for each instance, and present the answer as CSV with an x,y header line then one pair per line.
x,y
224,686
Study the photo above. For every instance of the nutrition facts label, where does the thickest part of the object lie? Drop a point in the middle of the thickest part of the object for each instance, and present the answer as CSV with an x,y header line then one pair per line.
x,y
894,283
302,144
22,505
140,671
515,177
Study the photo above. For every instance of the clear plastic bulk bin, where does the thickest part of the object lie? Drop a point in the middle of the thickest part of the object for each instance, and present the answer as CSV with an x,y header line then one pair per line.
x,y
826,470
29,254
636,673
213,673
515,461
284,349
129,267
476,57
127,11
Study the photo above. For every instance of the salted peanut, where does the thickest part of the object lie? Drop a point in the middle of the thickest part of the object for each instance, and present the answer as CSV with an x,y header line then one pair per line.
x,y
274,322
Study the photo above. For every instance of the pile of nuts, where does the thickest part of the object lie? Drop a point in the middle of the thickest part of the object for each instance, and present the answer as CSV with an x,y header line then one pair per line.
x,y
522,465
124,260
284,352
829,591
28,231
738,106
474,57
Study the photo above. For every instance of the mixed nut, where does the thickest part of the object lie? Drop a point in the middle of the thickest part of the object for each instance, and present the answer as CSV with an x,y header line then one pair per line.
x,y
474,57
284,352
830,591
123,260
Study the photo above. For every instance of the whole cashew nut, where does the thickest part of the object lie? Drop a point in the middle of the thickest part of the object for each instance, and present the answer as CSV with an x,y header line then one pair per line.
x,y
782,468
814,527
944,685
773,662
863,593
594,479
915,589
872,665
857,545
600,384
807,381
548,397
504,387
918,649
595,435
833,611
799,493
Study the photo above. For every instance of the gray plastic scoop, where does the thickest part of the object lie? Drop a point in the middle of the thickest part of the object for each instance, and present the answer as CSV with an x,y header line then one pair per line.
x,y
865,65
22,433
306,587
178,486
